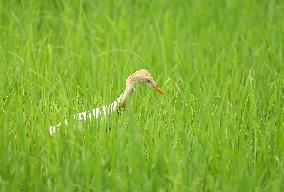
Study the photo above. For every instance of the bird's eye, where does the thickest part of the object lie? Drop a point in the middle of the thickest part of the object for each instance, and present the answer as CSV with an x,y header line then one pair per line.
x,y
148,80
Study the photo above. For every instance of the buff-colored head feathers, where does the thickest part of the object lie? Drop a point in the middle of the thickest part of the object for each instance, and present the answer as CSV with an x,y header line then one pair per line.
x,y
144,76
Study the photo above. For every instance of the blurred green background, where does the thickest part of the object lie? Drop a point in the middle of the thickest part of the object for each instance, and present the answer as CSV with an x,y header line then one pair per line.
x,y
219,128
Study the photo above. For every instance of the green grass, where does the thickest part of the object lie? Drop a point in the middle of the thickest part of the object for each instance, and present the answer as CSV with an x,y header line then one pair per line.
x,y
219,128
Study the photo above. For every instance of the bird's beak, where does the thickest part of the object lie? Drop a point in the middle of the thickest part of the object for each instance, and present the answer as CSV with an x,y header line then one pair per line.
x,y
157,88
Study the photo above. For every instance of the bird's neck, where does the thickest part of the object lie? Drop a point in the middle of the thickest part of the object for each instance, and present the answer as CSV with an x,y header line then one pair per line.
x,y
127,92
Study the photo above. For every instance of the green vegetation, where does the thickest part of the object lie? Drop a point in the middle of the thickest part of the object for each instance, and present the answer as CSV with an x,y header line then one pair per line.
x,y
219,128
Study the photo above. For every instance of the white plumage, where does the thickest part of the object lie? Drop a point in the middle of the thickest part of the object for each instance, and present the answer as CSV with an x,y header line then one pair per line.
x,y
141,76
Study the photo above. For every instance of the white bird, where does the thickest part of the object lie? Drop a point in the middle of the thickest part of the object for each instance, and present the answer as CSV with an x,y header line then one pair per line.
x,y
140,76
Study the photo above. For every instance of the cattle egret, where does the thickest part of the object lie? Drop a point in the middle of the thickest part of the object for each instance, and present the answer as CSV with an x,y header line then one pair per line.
x,y
140,76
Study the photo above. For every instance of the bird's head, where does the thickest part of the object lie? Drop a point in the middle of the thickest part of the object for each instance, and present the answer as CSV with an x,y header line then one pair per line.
x,y
143,76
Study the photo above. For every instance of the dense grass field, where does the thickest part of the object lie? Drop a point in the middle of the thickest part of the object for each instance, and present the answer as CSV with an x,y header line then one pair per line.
x,y
219,127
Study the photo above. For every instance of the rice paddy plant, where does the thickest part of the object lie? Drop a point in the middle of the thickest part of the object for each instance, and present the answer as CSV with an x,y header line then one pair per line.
x,y
219,127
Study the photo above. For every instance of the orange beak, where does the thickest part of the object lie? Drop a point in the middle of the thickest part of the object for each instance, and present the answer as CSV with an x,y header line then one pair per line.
x,y
157,88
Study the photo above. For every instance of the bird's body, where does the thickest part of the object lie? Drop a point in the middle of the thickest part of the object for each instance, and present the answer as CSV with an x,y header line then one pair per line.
x,y
141,76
